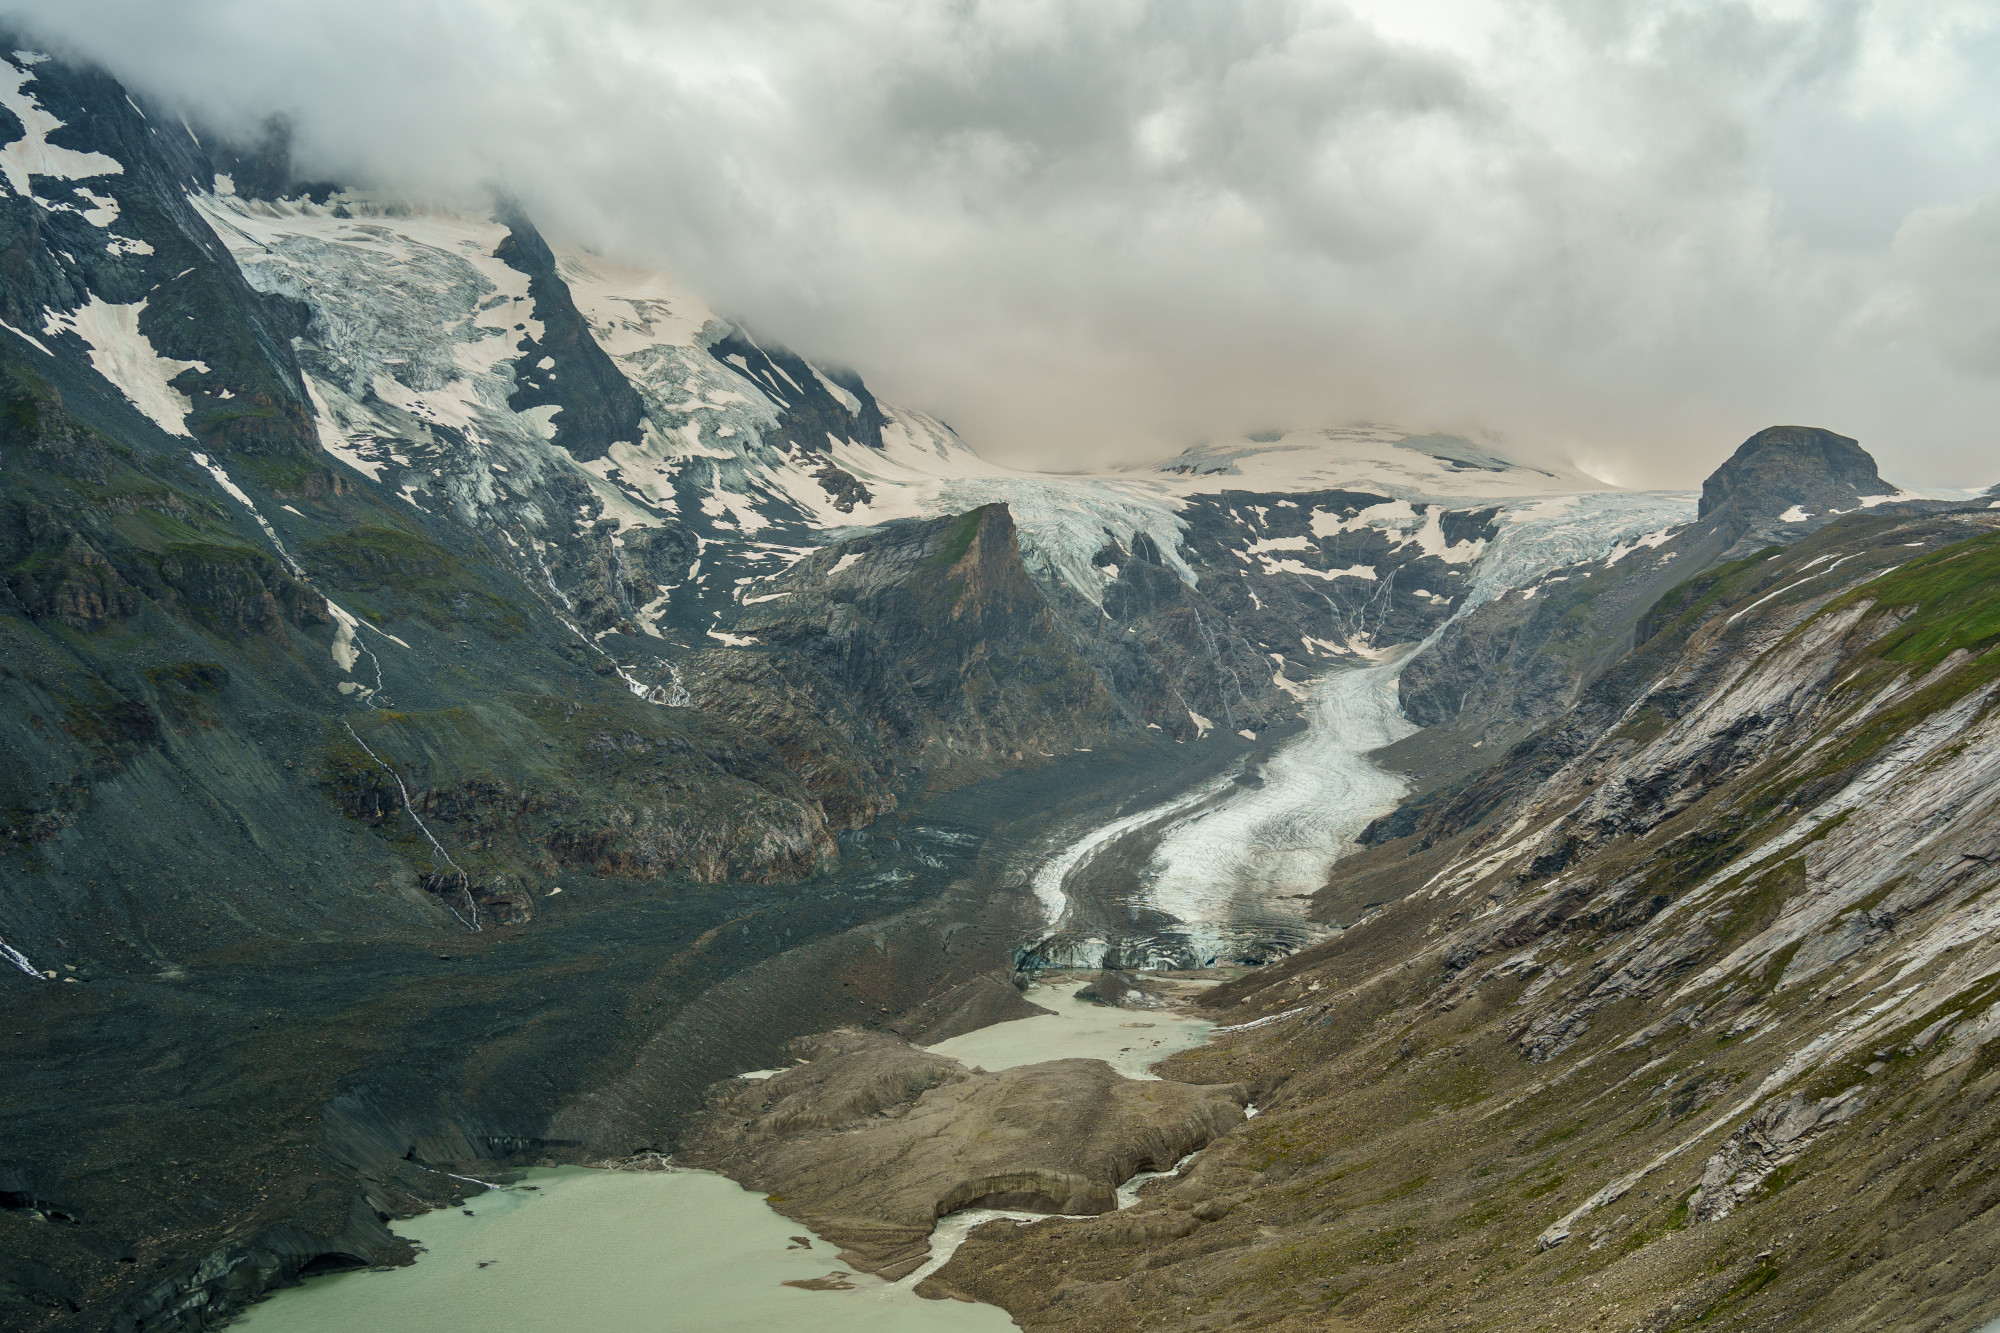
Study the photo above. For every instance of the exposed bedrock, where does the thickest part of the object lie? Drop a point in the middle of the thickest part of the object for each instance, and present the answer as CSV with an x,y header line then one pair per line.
x,y
1517,663
1787,476
1684,1014
873,1140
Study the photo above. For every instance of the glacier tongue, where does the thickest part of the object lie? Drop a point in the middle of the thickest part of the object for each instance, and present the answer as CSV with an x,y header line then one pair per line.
x,y
415,355
1230,878
1235,875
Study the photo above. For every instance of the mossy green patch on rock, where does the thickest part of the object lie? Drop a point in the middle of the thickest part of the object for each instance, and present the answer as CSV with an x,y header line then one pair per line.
x,y
411,574
1953,597
957,539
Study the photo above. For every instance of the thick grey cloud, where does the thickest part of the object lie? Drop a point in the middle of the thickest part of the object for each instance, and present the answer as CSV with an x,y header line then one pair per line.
x,y
1622,233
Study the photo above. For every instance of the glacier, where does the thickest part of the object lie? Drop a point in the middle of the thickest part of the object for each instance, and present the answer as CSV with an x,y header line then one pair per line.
x,y
1233,866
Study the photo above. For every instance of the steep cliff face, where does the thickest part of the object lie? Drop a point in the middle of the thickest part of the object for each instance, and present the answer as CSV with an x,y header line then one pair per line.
x,y
1681,1015
329,665
1264,592
1514,664
367,486
170,671
109,265
1786,477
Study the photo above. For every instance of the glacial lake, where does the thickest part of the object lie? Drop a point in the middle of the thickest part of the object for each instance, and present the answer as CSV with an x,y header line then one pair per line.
x,y
646,1251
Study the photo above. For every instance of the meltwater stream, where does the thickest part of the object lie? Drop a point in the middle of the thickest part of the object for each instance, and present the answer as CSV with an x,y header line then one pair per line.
x,y
1232,864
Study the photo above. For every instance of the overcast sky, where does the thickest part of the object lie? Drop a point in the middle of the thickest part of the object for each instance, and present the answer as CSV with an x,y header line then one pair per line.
x,y
1626,233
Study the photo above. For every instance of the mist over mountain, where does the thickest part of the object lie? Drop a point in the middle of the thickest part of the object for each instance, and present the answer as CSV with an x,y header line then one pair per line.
x,y
1605,236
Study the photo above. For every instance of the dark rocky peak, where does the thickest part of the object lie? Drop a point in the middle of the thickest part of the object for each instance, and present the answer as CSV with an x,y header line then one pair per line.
x,y
812,405
1788,476
959,564
597,406
106,237
939,638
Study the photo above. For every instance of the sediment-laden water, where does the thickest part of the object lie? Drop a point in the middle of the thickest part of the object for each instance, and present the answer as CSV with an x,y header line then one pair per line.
x,y
1214,871
1129,1040
613,1252
633,1251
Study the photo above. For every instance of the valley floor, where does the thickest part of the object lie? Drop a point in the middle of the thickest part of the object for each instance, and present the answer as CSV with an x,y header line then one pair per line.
x,y
214,1126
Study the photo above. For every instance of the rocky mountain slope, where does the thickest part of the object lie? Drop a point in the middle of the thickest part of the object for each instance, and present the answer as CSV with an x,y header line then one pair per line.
x,y
458,521
1678,1016
445,672
1520,660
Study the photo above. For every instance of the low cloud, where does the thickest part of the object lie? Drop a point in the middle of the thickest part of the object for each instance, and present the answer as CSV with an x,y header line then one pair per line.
x,y
1621,234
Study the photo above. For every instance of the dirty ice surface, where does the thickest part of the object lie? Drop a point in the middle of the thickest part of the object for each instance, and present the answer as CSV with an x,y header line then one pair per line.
x,y
613,1252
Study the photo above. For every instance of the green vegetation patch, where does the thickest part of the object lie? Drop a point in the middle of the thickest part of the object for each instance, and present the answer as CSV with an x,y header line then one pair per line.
x,y
1289,1142
1761,1275
194,677
1770,887
1683,606
1643,726
1954,597
216,553
959,539
182,688
1458,1086
1559,1134
153,530
283,473
1544,1188
1403,1189
1774,970
1386,1247
418,577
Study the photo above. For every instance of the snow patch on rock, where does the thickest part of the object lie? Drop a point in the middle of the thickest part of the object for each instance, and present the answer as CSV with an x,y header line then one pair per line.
x,y
125,356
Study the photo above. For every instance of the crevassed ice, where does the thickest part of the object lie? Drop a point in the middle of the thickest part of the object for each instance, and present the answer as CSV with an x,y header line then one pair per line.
x,y
1230,871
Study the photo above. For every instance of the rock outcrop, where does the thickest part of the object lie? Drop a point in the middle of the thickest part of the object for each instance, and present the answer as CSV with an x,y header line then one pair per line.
x,y
449,722
981,1002
1515,664
1788,479
934,635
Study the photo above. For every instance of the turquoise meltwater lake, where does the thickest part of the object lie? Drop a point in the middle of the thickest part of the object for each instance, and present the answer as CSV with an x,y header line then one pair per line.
x,y
572,1248
611,1252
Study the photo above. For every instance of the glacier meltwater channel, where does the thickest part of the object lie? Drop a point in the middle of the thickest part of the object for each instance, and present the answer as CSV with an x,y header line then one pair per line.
x,y
1232,865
